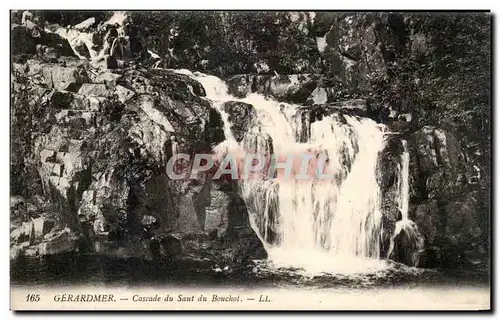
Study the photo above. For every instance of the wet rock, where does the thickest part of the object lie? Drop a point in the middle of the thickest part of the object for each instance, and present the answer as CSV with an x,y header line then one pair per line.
x,y
318,96
21,40
123,93
355,106
292,88
86,24
81,49
240,85
57,242
246,247
408,244
166,246
389,161
426,216
148,220
241,117
42,226
94,90
288,88
440,163
63,78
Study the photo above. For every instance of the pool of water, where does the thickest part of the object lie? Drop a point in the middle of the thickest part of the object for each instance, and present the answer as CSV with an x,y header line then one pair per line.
x,y
72,269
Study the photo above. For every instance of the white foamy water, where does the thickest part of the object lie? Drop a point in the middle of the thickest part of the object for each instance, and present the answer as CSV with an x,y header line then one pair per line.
x,y
320,226
406,225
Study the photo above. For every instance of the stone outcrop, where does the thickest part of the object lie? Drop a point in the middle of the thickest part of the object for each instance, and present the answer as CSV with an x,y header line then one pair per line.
x,y
444,203
29,37
359,46
291,88
101,141
241,115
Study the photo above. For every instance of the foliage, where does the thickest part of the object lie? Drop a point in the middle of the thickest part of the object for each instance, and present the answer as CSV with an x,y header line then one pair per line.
x,y
442,75
226,43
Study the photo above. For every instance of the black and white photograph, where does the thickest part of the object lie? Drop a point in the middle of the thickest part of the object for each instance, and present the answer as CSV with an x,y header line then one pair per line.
x,y
250,160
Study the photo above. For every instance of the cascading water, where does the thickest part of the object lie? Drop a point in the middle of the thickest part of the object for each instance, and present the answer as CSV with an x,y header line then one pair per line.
x,y
318,225
406,227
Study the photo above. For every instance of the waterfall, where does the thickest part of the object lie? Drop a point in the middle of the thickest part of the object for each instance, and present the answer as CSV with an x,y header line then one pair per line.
x,y
404,183
405,227
317,225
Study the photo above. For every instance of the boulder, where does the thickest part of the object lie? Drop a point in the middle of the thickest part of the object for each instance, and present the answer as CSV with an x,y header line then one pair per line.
x,y
86,24
42,226
56,42
290,88
94,90
426,216
241,116
166,246
245,246
408,244
32,231
107,77
21,40
57,242
81,49
318,96
240,85
217,213
440,164
63,78
123,93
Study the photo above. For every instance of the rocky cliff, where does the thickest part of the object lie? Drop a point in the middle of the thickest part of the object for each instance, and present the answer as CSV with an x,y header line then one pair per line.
x,y
93,119
92,166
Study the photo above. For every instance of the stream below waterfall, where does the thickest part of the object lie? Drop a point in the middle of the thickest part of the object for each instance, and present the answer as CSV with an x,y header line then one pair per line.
x,y
74,269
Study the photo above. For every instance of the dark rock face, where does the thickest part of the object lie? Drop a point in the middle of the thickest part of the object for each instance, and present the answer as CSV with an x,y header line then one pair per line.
x,y
445,207
223,235
241,116
359,46
388,176
444,202
24,41
426,216
100,146
291,88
